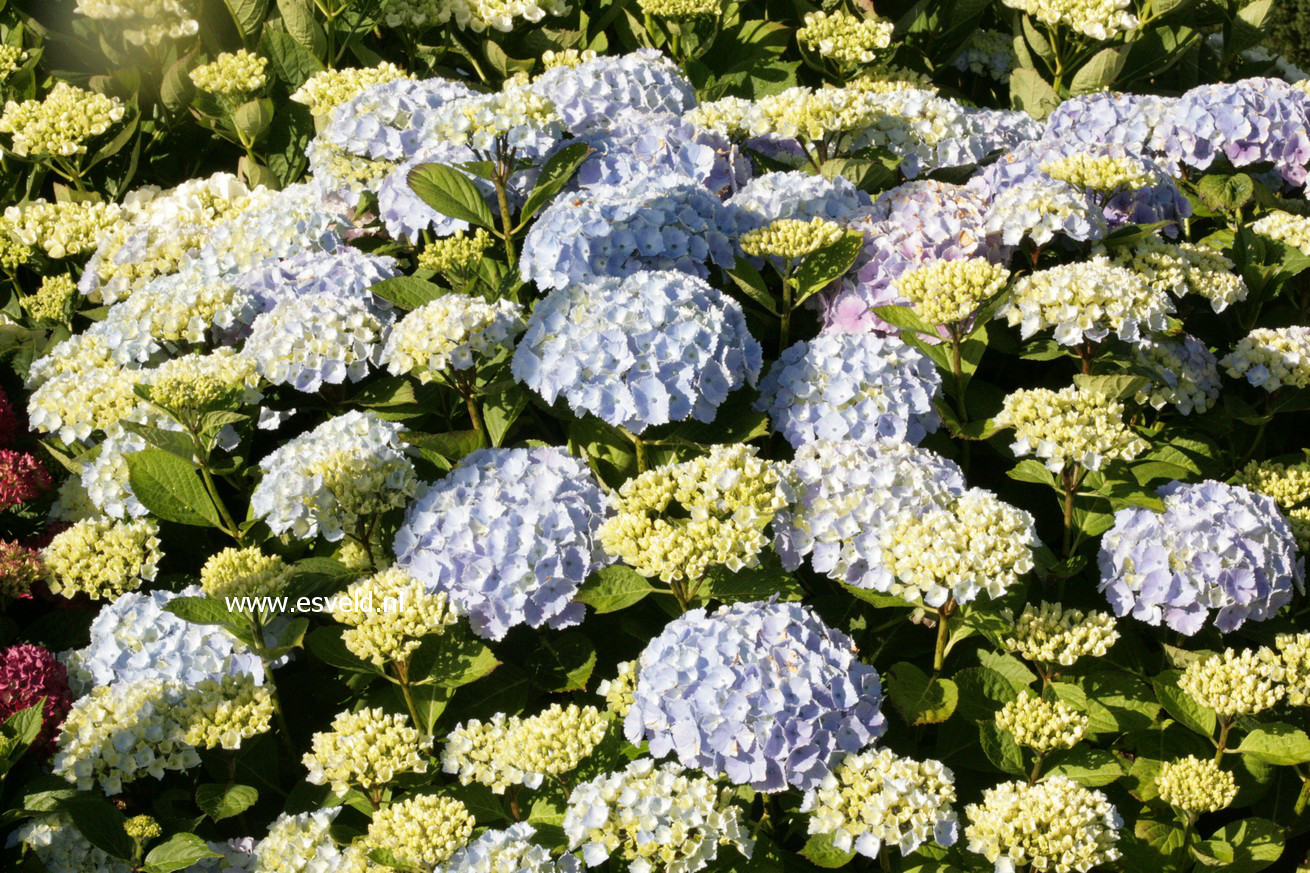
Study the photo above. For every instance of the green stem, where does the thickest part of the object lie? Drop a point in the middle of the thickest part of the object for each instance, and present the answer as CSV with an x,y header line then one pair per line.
x,y
1222,744
504,170
961,411
943,633
230,526
784,317
1069,478
1036,770
639,447
475,413
1182,849
402,679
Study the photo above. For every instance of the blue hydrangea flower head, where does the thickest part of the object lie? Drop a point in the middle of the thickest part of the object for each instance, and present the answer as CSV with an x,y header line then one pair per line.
x,y
651,348
596,90
385,122
638,143
1107,118
1217,551
346,272
135,638
292,221
847,496
1248,122
764,693
508,535
648,223
851,386
793,194
1184,373
980,133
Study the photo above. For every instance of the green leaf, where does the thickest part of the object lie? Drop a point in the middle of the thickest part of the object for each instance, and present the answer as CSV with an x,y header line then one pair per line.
x,y
749,583
920,698
178,852
1247,30
1277,743
291,62
821,267
613,588
325,644
248,15
752,284
224,801
451,193
554,175
298,17
1223,193
1010,667
1116,387
820,852
903,317
982,693
253,117
172,441
100,822
408,292
1099,73
1000,749
1030,92
451,659
1242,846
170,488
563,662
1085,765
1181,706
1031,470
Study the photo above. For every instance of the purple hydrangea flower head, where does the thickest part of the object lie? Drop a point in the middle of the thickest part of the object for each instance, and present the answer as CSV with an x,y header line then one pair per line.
x,y
615,230
1248,122
847,495
762,692
907,227
651,348
794,194
851,386
1216,551
1107,118
385,122
592,92
508,535
136,638
347,272
638,143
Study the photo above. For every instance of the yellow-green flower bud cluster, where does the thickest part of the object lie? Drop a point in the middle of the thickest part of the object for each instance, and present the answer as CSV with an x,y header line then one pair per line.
x,y
1289,229
102,558
845,38
1099,19
220,713
365,749
1054,825
813,115
143,22
451,333
1271,357
1042,725
1294,668
455,255
11,58
62,229
1087,300
198,383
141,828
566,58
619,691
1051,634
948,292
878,798
1074,425
243,572
402,613
328,89
53,301
232,74
60,124
728,116
13,251
478,122
1195,785
1235,683
508,750
675,522
422,831
1289,486
790,238
1103,173
681,10
1185,268
977,544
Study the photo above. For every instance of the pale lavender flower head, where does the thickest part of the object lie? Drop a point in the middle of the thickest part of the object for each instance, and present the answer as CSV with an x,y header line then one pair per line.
x,y
651,348
1217,552
385,122
764,693
851,386
347,272
589,94
798,195
637,143
1107,118
508,535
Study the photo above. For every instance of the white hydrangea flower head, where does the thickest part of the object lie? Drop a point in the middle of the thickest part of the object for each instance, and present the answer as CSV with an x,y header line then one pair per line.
x,y
1048,633
301,844
143,22
220,713
1040,208
319,338
1271,357
60,846
1195,785
1086,301
509,750
1292,230
517,115
62,228
1183,372
1294,653
1186,268
616,814
1054,825
790,238
235,75
845,38
102,558
1098,19
727,116
323,482
681,10
366,750
496,851
1235,683
1102,173
450,334
423,830
105,477
872,799
677,521
61,123
948,292
1074,425
847,496
618,692
976,545
1042,725
243,572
